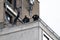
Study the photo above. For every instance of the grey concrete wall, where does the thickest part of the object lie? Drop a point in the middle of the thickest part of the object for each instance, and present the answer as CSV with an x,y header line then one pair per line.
x,y
1,13
1,10
30,34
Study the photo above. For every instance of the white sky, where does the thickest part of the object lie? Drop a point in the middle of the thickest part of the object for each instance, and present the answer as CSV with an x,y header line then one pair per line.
x,y
50,13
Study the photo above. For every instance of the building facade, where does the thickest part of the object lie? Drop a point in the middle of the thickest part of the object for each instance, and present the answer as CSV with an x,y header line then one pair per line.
x,y
19,20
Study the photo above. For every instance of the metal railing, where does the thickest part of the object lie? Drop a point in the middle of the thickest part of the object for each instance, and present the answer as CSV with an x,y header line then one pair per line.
x,y
10,9
9,4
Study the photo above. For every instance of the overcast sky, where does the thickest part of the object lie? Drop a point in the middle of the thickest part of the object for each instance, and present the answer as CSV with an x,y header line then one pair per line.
x,y
50,13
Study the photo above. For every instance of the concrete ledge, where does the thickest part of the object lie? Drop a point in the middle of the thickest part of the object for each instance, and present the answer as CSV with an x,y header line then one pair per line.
x,y
48,30
19,28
